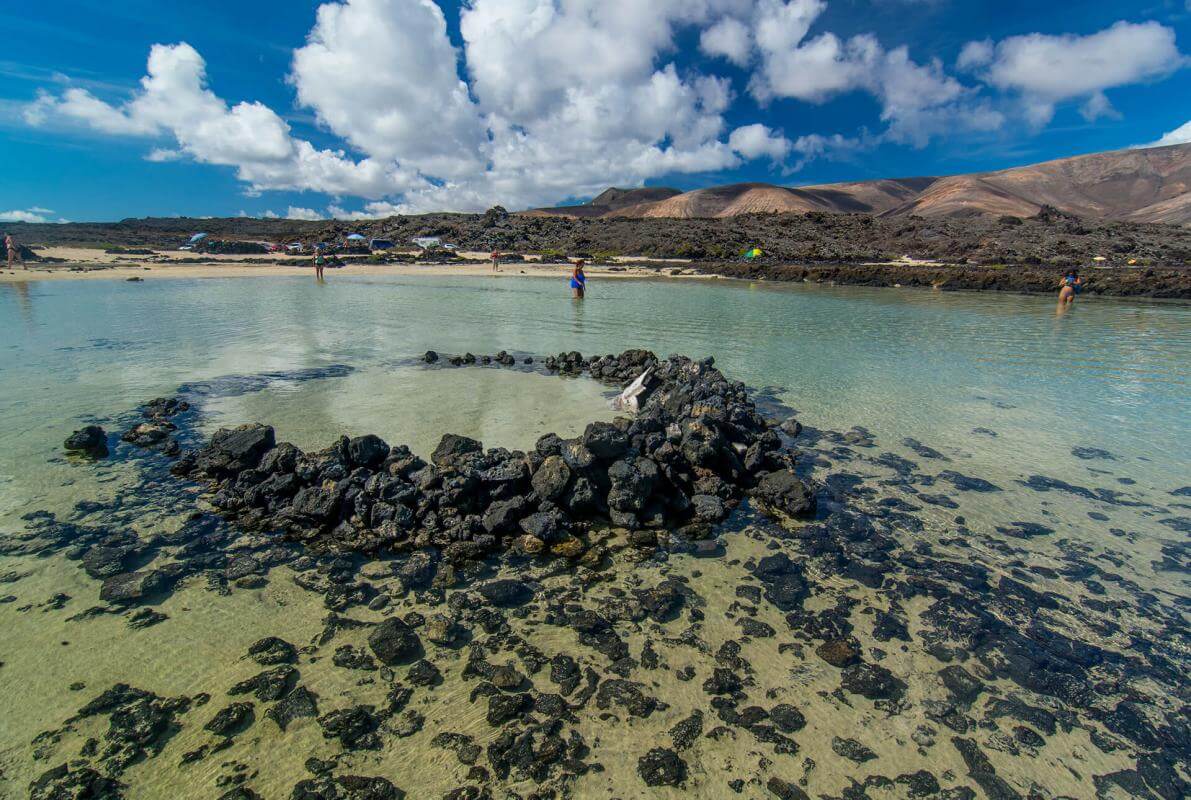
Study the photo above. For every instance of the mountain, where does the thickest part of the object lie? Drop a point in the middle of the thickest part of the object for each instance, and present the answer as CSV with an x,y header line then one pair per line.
x,y
1152,185
610,201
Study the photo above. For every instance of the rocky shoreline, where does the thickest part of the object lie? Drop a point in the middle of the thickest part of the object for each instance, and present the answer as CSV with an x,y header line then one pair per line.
x,y
454,572
1142,282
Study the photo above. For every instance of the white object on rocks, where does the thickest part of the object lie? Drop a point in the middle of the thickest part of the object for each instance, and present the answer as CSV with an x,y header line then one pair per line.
x,y
627,401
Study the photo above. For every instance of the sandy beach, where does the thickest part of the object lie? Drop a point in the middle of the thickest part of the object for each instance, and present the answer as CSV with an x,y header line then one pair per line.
x,y
88,264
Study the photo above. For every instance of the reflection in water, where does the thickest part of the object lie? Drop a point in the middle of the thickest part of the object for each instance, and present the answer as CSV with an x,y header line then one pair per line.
x,y
19,291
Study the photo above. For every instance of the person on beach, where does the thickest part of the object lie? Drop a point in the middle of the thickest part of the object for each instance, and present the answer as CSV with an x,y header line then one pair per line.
x,y
1070,287
320,262
496,261
578,281
14,252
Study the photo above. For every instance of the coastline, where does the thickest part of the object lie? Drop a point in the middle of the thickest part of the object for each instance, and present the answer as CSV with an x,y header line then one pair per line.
x,y
229,268
1137,282
1169,283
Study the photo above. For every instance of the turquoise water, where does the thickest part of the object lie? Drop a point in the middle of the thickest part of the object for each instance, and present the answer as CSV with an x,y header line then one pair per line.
x,y
933,366
1002,386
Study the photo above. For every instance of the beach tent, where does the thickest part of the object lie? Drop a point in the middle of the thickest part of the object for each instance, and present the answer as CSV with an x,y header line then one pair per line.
x,y
355,237
198,237
753,253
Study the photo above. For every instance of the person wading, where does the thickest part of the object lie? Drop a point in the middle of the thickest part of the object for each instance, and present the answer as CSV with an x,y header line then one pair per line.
x,y
14,252
578,281
1069,287
320,261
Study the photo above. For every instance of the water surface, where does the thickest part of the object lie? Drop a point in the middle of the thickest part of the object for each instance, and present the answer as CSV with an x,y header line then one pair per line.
x,y
1002,387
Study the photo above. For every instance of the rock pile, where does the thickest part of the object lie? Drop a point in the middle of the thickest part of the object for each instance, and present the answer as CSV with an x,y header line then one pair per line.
x,y
684,461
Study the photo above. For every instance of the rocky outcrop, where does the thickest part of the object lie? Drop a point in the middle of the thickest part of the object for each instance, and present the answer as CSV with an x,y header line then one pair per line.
x,y
690,455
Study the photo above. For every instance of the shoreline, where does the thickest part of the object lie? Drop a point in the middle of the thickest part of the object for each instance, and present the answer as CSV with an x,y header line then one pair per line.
x,y
240,269
1164,283
1159,283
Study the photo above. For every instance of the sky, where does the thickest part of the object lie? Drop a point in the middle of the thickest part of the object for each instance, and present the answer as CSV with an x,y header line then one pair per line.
x,y
112,109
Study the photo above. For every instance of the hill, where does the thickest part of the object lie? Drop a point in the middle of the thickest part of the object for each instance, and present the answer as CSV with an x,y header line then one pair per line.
x,y
1152,185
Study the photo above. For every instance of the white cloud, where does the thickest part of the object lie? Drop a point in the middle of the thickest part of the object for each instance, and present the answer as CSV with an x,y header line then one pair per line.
x,y
382,75
1180,135
295,212
729,38
34,214
174,101
546,99
1048,70
918,101
757,141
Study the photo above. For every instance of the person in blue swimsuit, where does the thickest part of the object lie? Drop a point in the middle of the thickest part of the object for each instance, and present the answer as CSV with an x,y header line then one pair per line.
x,y
578,281
1070,287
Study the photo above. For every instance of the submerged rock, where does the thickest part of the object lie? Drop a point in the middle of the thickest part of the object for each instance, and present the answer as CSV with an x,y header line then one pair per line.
x,y
91,440
394,642
661,767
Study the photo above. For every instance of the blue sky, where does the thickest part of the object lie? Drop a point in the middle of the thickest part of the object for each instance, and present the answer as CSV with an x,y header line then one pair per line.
x,y
369,107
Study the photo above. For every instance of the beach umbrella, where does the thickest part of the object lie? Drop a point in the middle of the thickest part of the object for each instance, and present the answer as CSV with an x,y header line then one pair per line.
x,y
197,237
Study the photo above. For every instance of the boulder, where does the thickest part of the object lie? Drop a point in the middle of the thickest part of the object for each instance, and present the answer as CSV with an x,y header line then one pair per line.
x,y
785,492
452,447
505,592
367,451
394,642
605,440
551,479
233,450
91,440
133,587
661,767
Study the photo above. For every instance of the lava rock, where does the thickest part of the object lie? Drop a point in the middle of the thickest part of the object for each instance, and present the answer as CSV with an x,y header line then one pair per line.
x,y
661,767
91,440
786,492
271,650
231,719
453,447
394,642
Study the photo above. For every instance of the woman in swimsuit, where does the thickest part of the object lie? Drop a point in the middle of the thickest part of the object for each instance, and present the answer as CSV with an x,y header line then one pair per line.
x,y
1070,287
578,281
320,262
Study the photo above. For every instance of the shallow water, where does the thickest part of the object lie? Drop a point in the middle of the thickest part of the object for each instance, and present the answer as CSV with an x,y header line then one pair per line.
x,y
1002,387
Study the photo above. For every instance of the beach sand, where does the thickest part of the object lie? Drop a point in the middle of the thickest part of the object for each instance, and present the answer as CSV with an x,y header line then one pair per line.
x,y
83,264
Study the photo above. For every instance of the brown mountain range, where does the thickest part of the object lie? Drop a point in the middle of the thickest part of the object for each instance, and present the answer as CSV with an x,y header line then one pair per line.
x,y
1152,185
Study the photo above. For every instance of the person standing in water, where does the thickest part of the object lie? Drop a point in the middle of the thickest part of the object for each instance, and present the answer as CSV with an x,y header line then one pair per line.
x,y
578,281
320,261
14,252
1070,287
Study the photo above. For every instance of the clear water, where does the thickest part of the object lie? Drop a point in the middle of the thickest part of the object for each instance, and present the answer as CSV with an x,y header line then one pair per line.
x,y
931,366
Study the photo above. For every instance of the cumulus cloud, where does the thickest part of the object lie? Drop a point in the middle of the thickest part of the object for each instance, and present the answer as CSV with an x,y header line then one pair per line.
x,y
296,212
545,99
1047,70
729,38
1180,135
404,99
174,101
34,214
757,141
918,100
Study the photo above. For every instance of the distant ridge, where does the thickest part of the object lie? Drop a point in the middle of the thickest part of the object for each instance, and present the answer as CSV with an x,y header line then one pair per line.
x,y
1151,185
